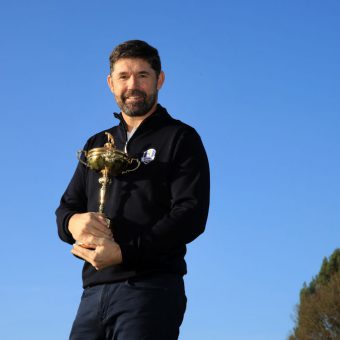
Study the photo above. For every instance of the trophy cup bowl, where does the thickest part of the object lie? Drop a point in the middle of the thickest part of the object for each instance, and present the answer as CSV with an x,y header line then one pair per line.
x,y
108,161
116,161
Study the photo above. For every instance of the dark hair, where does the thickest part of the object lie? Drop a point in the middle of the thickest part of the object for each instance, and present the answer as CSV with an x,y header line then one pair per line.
x,y
136,49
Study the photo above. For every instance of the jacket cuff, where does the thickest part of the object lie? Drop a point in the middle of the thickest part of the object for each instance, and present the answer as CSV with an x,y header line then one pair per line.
x,y
69,237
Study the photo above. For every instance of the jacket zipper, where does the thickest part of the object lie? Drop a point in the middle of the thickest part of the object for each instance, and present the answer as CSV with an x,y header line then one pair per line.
x,y
121,119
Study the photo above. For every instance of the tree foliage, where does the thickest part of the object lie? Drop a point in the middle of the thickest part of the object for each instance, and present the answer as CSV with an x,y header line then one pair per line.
x,y
318,314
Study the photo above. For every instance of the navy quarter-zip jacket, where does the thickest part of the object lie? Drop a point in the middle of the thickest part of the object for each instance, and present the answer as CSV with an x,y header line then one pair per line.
x,y
155,210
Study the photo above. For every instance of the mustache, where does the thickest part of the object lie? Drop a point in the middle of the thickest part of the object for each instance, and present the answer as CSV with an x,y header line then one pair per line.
x,y
131,93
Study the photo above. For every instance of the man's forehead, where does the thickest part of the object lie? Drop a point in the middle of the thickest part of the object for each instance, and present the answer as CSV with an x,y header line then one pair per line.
x,y
131,65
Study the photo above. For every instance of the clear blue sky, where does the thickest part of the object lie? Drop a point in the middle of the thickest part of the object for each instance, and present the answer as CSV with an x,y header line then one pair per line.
x,y
260,82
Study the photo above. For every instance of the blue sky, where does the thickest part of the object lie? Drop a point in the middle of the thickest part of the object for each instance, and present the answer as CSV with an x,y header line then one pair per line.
x,y
260,82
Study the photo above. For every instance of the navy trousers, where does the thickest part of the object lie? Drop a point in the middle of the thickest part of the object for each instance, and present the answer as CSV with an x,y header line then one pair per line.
x,y
145,308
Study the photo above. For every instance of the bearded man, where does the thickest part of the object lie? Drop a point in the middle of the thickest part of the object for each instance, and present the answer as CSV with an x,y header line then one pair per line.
x,y
134,252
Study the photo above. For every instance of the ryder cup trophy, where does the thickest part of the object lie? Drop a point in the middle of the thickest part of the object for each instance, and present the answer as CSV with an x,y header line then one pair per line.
x,y
108,161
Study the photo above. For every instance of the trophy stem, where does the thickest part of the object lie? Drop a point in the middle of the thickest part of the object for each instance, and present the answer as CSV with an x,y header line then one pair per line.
x,y
104,181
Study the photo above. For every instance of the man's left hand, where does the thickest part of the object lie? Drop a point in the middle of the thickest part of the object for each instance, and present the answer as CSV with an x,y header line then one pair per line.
x,y
105,254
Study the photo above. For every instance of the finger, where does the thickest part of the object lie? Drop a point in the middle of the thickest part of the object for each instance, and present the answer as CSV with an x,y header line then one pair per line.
x,y
84,254
87,255
96,219
101,218
92,241
105,219
96,229
86,245
101,225
100,233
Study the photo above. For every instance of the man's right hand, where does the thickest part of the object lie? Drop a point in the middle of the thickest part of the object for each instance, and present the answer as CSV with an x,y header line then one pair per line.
x,y
87,227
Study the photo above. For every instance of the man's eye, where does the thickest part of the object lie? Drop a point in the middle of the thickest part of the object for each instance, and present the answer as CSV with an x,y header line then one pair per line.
x,y
123,77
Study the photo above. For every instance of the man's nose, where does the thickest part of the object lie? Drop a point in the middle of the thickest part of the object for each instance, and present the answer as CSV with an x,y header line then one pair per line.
x,y
132,83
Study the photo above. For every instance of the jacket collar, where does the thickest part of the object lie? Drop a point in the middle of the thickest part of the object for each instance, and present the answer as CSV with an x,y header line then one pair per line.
x,y
159,114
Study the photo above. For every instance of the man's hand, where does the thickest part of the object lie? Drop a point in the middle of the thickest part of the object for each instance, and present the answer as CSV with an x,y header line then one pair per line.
x,y
86,228
106,253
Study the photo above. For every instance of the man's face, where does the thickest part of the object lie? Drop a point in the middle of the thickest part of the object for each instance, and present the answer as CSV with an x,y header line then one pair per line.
x,y
135,86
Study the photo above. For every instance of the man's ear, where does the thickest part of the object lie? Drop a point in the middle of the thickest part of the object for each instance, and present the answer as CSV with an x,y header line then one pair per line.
x,y
160,80
110,83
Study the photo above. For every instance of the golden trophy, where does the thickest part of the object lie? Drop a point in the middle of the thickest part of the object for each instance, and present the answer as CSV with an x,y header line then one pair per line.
x,y
108,161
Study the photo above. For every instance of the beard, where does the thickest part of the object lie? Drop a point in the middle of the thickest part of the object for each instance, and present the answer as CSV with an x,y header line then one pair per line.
x,y
139,107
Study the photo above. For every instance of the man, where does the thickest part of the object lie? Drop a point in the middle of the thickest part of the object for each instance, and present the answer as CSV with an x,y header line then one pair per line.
x,y
134,266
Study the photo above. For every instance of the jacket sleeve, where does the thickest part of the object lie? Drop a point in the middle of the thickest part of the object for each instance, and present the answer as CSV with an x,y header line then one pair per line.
x,y
74,200
189,187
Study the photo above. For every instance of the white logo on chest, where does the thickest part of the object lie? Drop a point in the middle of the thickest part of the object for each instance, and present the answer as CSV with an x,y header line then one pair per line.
x,y
148,156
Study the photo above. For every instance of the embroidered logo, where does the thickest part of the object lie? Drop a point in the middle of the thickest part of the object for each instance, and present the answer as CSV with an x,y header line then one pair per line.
x,y
148,156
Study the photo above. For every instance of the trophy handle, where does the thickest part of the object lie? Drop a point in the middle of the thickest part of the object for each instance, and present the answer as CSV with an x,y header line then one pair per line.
x,y
135,168
79,153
